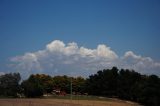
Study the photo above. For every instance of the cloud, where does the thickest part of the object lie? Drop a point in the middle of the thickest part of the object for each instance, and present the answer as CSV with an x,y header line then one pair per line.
x,y
70,59
142,64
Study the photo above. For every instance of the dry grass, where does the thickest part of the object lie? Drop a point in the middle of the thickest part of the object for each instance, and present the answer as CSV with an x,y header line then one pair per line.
x,y
63,102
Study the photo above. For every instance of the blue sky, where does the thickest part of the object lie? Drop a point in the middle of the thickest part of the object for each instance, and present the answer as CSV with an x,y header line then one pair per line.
x,y
123,25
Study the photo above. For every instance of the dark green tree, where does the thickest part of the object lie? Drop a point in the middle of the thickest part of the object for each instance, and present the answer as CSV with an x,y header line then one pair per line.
x,y
9,84
32,87
103,83
150,91
126,83
62,83
78,85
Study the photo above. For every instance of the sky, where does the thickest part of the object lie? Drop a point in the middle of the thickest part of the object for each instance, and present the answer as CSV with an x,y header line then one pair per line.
x,y
99,33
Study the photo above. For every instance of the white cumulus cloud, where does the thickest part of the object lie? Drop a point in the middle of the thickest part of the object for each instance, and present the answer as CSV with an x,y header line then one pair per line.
x,y
70,59
142,64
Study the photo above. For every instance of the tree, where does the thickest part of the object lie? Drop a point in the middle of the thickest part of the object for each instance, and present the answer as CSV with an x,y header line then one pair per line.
x,y
9,84
103,83
150,91
125,84
62,83
32,87
78,85
45,81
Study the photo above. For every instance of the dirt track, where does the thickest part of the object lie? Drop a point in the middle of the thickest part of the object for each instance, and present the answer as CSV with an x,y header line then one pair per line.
x,y
62,102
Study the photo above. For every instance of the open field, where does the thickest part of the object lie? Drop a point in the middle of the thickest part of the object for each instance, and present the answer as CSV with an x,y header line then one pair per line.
x,y
63,102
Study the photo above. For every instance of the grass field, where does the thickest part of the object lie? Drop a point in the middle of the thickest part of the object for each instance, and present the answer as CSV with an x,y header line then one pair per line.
x,y
61,101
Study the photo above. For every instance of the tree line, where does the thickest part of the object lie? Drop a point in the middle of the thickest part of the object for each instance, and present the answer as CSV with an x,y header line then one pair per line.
x,y
119,83
125,84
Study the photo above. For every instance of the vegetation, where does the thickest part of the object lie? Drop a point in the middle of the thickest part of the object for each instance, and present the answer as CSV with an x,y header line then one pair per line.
x,y
124,84
9,85
39,84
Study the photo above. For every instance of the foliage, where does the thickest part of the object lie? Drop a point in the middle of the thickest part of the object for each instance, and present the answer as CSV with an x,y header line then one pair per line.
x,y
62,83
125,84
9,84
32,87
39,84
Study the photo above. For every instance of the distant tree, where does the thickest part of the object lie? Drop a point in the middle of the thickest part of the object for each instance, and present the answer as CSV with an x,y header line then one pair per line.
x,y
110,80
78,85
125,84
32,87
150,91
62,83
103,83
45,81
9,84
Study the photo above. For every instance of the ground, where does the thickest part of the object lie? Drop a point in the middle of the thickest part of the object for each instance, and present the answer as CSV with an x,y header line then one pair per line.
x,y
64,102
